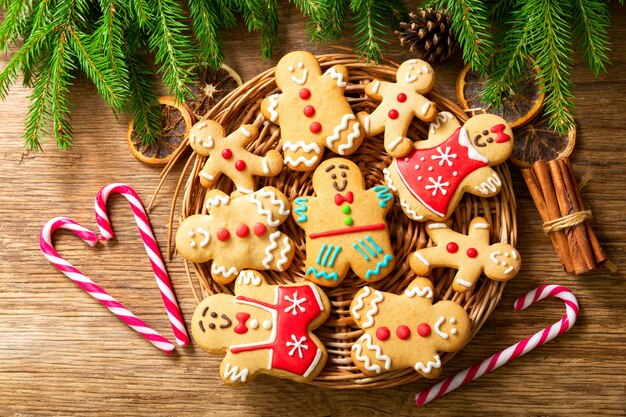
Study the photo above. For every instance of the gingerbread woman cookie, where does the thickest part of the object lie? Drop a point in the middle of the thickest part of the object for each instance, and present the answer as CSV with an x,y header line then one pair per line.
x,y
471,254
238,233
264,329
345,225
400,102
312,111
228,156
407,330
431,179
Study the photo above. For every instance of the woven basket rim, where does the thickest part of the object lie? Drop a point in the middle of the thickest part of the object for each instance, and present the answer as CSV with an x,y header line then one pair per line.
x,y
242,106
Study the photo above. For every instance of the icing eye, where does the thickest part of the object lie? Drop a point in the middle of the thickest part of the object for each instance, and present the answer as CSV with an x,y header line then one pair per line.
x,y
333,176
453,331
300,65
290,68
485,132
191,233
213,314
211,326
489,139
192,244
411,68
343,175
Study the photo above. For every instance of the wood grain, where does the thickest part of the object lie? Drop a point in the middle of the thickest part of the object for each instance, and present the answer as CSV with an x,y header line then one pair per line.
x,y
61,353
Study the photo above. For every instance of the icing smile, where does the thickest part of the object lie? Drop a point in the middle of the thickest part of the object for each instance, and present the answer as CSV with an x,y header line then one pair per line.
x,y
302,79
225,324
343,185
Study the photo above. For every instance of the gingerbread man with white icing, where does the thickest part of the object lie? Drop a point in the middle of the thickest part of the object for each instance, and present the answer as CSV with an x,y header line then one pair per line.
x,y
400,102
264,329
345,225
470,254
407,330
431,179
228,156
312,111
238,233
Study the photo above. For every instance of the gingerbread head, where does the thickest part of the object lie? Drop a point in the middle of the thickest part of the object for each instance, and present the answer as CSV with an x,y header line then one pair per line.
x,y
297,70
337,175
491,136
263,329
504,262
406,330
417,75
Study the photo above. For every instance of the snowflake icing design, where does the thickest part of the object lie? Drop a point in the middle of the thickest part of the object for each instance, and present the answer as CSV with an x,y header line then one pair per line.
x,y
444,156
297,345
437,185
295,306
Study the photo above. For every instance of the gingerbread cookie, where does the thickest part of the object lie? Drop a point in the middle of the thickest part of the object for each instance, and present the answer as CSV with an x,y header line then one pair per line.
x,y
238,233
312,111
400,102
471,254
345,225
407,330
228,156
431,179
264,329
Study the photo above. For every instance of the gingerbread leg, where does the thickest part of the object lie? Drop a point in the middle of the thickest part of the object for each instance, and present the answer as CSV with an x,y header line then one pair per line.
x,y
302,156
396,144
369,357
244,185
420,260
326,264
209,175
372,257
348,139
466,278
373,124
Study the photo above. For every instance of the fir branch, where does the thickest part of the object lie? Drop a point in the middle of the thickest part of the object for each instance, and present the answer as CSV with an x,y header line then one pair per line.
x,y
206,22
139,10
330,23
61,67
109,37
368,28
270,31
226,13
14,22
591,21
253,13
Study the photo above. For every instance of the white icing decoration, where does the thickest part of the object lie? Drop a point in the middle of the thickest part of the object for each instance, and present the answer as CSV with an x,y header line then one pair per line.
x,y
471,151
267,324
209,142
493,256
370,314
338,76
201,125
300,160
503,263
300,65
454,174
254,324
425,108
297,345
375,86
192,244
339,128
409,78
274,201
244,190
266,168
463,282
249,277
514,254
272,107
302,80
245,132
425,69
421,258
283,254
492,184
408,210
191,233
509,270
413,61
295,306
268,250
437,226
453,331
313,365
437,185
359,302
356,132
221,270
207,176
419,177
216,201
234,374
444,157
395,143
388,180
438,330
290,68
207,237
306,147
452,320
358,349
366,124
481,226
442,117
270,220
425,292
428,367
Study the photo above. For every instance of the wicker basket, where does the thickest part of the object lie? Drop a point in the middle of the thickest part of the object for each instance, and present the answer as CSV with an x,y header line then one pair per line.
x,y
339,332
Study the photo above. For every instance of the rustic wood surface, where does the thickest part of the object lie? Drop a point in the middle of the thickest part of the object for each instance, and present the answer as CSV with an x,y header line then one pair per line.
x,y
62,353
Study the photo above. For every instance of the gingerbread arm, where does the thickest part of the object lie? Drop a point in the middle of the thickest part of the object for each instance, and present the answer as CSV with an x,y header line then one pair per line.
x,y
243,136
272,205
299,212
269,108
337,75
428,364
376,89
215,198
484,182
268,165
233,370
424,109
384,197
479,231
466,277
210,174
421,262
248,283
440,232
441,128
420,290
203,135
364,307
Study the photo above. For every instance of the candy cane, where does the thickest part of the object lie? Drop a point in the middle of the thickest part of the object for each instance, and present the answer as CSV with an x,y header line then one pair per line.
x,y
516,350
149,242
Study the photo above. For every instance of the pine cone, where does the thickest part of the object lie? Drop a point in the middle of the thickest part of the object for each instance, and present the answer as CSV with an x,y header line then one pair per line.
x,y
428,35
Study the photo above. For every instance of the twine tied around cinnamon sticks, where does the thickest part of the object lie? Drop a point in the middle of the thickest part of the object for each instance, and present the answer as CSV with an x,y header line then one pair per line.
x,y
556,194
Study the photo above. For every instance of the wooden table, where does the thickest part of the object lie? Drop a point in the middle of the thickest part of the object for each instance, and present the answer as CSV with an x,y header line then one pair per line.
x,y
62,353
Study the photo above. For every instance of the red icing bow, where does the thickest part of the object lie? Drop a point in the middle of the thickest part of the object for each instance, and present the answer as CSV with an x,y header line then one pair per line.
x,y
502,137
340,199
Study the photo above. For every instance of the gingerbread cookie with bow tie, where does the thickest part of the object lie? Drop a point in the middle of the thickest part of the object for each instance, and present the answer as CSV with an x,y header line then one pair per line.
x,y
312,111
264,329
345,225
431,179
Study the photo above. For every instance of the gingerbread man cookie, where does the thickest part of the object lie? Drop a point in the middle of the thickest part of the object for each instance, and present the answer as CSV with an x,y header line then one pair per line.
x,y
407,330
264,329
238,233
228,156
431,179
345,225
400,102
471,254
312,111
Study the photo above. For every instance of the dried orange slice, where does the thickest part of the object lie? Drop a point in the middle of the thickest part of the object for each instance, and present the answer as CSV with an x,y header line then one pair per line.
x,y
212,85
521,106
536,141
177,120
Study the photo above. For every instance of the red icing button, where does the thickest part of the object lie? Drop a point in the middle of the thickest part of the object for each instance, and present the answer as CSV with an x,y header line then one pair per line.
x,y
222,234
401,97
403,332
315,127
242,230
393,114
227,153
241,328
452,247
305,93
472,252
260,229
423,329
309,111
240,165
382,333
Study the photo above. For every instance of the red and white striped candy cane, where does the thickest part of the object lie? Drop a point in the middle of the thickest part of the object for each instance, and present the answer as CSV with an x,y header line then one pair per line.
x,y
150,243
93,289
516,350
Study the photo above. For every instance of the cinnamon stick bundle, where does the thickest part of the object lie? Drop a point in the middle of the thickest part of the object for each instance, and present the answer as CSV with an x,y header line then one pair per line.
x,y
555,192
